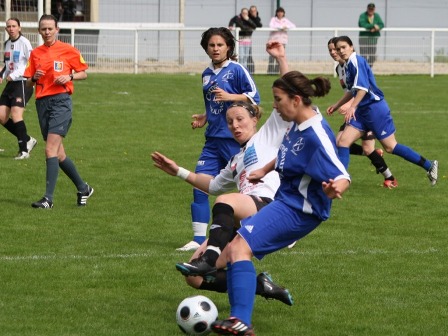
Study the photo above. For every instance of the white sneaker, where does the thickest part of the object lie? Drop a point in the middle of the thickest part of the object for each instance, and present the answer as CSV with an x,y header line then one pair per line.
x,y
30,144
292,244
22,156
191,246
433,172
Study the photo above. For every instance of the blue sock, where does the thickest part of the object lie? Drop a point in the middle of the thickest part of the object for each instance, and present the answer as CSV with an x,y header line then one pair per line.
x,y
229,285
344,156
200,215
410,155
244,284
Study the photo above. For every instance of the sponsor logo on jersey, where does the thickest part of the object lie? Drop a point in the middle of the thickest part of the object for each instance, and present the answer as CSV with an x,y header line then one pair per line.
x,y
201,162
58,66
16,56
205,80
298,146
229,75
7,56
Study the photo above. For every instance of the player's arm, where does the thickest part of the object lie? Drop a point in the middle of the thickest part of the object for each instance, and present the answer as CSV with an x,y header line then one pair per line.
x,y
199,181
256,176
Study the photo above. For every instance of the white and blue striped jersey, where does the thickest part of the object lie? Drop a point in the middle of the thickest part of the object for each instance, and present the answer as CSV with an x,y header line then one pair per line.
x,y
359,76
16,57
232,78
261,149
306,158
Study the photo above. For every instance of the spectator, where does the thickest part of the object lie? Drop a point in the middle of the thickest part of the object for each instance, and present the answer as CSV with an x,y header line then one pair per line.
x,y
253,15
372,23
281,24
247,27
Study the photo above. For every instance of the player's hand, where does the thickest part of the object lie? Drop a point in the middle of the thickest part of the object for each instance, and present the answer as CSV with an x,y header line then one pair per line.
x,y
256,176
331,109
221,95
348,112
199,120
334,189
275,49
162,162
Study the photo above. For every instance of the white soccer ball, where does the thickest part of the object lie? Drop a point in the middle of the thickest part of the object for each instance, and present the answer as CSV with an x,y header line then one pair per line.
x,y
195,314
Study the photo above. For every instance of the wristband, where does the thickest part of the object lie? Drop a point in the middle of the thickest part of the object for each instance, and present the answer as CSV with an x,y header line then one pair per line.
x,y
183,173
71,77
33,79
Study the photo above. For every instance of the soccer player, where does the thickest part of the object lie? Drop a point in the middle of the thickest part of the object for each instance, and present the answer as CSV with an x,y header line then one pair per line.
x,y
224,81
16,94
311,175
52,68
368,140
369,111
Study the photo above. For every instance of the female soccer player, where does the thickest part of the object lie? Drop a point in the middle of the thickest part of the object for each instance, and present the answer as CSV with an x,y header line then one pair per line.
x,y
206,268
368,140
224,81
52,68
16,94
369,112
310,176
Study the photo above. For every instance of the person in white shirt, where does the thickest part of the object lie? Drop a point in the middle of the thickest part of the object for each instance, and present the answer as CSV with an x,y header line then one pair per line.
x,y
16,94
205,271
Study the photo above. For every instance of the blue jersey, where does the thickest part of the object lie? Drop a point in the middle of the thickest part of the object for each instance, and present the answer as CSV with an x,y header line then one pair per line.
x,y
232,78
359,76
306,158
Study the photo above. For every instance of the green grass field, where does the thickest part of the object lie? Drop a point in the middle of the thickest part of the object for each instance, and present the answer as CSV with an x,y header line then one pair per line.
x,y
377,267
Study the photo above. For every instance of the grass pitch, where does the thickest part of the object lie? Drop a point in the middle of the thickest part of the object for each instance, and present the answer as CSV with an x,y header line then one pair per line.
x,y
377,267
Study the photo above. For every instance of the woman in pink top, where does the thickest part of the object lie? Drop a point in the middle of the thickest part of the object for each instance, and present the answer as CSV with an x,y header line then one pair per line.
x,y
281,25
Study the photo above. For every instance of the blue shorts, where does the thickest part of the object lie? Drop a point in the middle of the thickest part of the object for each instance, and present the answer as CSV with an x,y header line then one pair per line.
x,y
215,155
375,117
274,227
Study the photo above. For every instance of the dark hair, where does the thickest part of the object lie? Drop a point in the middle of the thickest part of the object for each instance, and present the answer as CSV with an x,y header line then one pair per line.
x,y
14,19
254,110
225,33
49,17
18,23
295,83
280,9
332,41
343,38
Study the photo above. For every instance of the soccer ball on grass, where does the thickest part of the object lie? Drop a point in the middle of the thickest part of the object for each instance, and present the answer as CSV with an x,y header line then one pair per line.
x,y
195,314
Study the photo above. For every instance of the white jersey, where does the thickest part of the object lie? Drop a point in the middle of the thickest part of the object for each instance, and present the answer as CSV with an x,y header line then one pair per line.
x,y
16,57
261,149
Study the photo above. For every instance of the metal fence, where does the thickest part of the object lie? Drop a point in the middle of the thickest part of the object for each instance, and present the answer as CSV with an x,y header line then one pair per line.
x,y
169,48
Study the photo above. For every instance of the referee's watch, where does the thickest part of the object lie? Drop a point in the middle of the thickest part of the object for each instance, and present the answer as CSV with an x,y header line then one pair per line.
x,y
71,77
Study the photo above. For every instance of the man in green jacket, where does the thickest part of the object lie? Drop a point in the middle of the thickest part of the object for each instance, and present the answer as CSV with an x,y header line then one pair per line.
x,y
368,38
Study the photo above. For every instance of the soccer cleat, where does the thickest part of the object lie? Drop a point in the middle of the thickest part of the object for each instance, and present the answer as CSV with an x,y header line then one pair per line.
x,y
30,144
390,184
232,326
191,246
198,267
272,291
22,156
433,172
83,196
380,151
43,203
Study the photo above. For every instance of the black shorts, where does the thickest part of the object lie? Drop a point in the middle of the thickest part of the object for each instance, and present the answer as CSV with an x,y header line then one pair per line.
x,y
260,202
16,93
